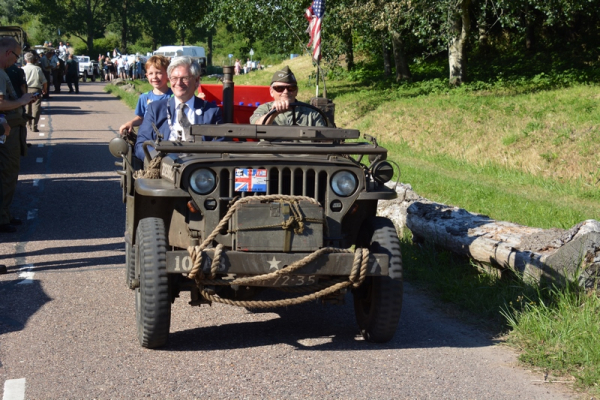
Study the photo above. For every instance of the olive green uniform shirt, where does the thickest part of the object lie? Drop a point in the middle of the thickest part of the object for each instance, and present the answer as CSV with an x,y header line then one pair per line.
x,y
9,93
304,116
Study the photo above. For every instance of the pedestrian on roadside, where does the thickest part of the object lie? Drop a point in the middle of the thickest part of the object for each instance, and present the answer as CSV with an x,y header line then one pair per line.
x,y
72,74
237,66
110,68
139,69
36,83
62,51
56,72
101,67
47,69
16,141
119,65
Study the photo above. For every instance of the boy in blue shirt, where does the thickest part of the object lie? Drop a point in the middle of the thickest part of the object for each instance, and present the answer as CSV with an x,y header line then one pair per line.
x,y
156,71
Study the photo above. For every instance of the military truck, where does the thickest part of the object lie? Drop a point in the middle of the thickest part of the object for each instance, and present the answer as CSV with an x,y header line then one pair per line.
x,y
271,208
20,36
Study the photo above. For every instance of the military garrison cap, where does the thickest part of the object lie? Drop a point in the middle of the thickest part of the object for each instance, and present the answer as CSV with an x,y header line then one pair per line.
x,y
284,75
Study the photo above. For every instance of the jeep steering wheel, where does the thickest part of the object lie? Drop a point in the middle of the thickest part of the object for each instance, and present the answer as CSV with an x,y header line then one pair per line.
x,y
293,107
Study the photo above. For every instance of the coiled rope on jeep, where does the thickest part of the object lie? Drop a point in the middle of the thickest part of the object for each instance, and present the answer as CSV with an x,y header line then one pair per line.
x,y
355,279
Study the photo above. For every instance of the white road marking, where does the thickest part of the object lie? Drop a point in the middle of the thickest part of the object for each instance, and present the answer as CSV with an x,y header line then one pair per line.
x,y
39,160
14,389
42,126
27,274
42,117
42,134
32,214
36,182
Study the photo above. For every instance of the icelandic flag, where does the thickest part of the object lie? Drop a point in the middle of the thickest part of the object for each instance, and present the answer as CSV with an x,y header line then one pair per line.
x,y
250,180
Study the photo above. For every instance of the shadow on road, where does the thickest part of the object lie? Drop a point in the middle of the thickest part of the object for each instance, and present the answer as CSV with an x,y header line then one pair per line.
x,y
314,326
72,263
14,313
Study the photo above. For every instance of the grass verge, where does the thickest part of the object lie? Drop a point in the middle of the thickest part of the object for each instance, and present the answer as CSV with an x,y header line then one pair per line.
x,y
560,332
129,98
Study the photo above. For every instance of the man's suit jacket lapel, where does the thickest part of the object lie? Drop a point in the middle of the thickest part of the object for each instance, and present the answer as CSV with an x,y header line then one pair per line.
x,y
173,109
166,126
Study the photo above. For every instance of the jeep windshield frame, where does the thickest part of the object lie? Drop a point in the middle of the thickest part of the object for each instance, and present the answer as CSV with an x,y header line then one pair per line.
x,y
268,139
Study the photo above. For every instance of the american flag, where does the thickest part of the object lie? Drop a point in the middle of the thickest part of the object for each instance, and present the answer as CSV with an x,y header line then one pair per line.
x,y
314,15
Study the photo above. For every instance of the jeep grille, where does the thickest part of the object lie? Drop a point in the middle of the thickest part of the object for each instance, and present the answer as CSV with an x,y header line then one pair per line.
x,y
308,181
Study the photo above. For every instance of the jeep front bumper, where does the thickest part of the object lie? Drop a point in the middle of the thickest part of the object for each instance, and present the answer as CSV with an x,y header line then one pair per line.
x,y
251,263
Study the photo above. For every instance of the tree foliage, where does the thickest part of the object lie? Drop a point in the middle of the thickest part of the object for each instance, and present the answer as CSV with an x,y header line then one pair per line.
x,y
85,19
393,33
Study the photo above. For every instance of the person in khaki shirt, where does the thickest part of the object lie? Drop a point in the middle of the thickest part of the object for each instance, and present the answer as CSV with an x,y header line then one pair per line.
x,y
15,144
36,83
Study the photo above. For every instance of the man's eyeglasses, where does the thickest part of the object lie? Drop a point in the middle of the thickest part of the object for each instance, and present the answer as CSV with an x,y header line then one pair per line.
x,y
280,89
15,54
183,79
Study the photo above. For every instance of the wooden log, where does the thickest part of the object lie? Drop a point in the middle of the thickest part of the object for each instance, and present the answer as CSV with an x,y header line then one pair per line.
x,y
543,255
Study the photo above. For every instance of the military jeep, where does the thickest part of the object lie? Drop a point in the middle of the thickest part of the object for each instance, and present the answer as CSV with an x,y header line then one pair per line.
x,y
285,208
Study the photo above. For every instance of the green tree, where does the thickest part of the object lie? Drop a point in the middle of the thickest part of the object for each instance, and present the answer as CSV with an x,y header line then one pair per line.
x,y
159,32
384,19
11,12
85,19
278,23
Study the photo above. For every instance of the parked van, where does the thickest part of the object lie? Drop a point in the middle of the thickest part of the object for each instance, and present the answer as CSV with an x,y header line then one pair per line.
x,y
195,52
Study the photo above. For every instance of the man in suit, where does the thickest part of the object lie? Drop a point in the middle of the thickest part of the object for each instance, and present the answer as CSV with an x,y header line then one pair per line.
x,y
174,116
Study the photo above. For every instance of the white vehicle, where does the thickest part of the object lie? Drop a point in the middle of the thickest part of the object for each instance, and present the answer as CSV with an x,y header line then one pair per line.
x,y
195,52
87,68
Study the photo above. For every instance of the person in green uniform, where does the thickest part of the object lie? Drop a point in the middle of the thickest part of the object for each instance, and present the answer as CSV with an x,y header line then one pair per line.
x,y
12,149
72,74
284,89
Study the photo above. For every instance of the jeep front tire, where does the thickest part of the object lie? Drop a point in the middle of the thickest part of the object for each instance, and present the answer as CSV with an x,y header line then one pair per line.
x,y
152,297
378,301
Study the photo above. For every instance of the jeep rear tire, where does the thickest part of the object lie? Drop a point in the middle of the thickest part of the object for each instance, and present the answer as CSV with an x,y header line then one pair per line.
x,y
152,298
85,76
93,77
378,301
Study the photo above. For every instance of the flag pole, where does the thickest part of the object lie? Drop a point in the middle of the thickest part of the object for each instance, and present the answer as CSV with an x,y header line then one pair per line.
x,y
317,94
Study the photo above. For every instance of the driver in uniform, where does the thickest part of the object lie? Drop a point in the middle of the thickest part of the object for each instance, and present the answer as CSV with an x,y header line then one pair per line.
x,y
284,89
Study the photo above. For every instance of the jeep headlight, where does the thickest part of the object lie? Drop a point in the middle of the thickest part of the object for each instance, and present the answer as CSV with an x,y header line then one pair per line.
x,y
203,181
344,183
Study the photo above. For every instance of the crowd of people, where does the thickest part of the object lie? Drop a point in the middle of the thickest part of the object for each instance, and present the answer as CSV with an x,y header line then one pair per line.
x,y
26,77
127,67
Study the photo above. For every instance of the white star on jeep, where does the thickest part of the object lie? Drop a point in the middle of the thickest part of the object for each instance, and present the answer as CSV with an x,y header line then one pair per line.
x,y
273,264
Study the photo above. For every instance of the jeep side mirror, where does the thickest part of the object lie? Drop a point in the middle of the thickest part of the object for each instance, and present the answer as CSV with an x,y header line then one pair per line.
x,y
118,147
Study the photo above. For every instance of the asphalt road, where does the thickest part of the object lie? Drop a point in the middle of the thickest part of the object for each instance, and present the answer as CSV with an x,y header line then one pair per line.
x,y
67,322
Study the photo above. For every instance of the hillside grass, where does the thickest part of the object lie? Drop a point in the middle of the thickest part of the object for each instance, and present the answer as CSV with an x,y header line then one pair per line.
x,y
521,148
